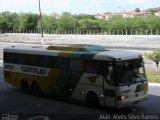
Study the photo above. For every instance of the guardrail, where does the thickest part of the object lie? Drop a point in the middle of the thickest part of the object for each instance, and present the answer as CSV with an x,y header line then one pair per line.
x,y
88,32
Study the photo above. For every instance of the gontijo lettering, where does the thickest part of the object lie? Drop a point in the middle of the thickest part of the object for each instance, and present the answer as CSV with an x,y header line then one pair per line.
x,y
34,70
10,67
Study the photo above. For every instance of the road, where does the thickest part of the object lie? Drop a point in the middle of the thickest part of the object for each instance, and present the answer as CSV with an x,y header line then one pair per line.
x,y
144,42
14,102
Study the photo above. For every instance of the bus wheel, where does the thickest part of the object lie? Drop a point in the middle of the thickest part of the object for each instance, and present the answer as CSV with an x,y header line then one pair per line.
x,y
35,88
92,99
24,86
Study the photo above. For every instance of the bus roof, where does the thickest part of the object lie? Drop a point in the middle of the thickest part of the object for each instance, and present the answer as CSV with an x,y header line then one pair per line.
x,y
75,51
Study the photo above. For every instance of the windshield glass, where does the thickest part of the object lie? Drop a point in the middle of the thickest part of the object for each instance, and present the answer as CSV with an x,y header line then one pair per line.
x,y
130,71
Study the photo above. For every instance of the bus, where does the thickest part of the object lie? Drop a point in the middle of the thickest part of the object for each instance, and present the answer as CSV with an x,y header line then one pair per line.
x,y
91,74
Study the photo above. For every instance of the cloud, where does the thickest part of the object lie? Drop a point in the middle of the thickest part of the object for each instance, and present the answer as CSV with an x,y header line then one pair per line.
x,y
17,5
137,1
56,3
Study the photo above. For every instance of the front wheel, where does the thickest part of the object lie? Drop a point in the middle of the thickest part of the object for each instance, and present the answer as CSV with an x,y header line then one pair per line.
x,y
92,99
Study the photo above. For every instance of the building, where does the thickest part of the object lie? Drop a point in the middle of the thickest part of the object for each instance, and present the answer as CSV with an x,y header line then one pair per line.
x,y
106,16
136,14
157,13
56,15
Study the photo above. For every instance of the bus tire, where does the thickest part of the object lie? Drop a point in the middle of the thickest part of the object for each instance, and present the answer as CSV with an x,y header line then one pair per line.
x,y
92,99
35,88
25,86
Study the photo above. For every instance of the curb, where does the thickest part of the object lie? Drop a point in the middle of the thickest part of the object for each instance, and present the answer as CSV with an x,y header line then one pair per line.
x,y
154,84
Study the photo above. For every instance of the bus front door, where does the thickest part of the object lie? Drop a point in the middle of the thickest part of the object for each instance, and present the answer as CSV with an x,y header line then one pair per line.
x,y
109,88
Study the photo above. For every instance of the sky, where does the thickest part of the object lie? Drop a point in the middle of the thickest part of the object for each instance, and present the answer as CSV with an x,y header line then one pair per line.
x,y
76,6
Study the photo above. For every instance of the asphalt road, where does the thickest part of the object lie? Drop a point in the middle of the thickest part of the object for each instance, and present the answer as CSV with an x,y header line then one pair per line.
x,y
13,101
143,42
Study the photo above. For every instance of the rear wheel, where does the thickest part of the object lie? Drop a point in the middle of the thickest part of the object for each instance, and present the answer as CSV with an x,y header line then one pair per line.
x,y
92,99
25,86
35,88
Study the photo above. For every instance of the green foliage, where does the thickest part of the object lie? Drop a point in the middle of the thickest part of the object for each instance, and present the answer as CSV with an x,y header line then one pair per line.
x,y
153,76
116,23
68,22
49,23
85,17
155,56
89,24
8,21
28,21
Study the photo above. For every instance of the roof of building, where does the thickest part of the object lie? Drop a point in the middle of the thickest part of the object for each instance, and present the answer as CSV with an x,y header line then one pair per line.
x,y
136,13
108,14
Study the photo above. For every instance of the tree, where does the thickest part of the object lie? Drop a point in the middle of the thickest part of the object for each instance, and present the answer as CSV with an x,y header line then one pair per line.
x,y
66,22
9,21
28,21
81,16
152,23
154,56
137,10
116,23
89,24
49,23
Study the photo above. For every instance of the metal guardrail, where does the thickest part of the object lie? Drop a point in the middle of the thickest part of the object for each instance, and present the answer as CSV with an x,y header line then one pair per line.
x,y
89,32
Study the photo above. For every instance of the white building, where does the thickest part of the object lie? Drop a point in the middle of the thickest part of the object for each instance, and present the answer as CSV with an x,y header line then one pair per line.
x,y
136,14
106,16
157,13
56,15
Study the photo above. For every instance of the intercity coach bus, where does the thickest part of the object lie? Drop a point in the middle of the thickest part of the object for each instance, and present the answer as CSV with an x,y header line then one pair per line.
x,y
87,73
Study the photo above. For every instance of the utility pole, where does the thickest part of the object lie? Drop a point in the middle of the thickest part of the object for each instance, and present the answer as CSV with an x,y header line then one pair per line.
x,y
125,20
40,19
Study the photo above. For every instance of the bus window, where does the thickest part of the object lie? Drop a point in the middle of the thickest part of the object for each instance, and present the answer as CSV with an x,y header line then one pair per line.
x,y
61,63
10,57
94,67
33,60
21,59
46,61
76,64
110,74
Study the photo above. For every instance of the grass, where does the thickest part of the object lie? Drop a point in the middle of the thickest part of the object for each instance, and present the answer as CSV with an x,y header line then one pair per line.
x,y
153,76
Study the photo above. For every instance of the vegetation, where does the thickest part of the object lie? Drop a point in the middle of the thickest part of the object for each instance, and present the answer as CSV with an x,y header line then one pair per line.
x,y
154,56
24,22
153,76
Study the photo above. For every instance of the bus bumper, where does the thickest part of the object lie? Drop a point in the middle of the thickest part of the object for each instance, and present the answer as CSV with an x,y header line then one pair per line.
x,y
126,103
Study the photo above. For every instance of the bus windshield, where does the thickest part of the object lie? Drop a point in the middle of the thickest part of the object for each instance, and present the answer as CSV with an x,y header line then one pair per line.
x,y
130,72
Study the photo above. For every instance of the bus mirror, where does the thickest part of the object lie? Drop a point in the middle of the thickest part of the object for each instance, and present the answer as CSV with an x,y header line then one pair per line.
x,y
110,70
108,77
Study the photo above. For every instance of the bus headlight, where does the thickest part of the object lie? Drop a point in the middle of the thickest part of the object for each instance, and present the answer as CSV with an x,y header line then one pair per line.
x,y
120,98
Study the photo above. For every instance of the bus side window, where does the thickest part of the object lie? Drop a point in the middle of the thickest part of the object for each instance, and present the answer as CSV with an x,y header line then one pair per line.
x,y
76,64
46,61
61,63
33,60
22,59
10,57
94,67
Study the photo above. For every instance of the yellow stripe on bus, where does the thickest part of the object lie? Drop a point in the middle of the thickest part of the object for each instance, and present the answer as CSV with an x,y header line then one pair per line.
x,y
46,83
